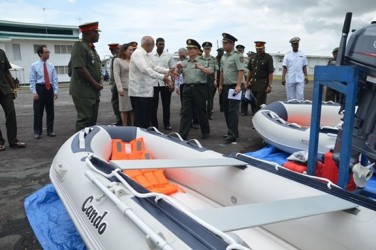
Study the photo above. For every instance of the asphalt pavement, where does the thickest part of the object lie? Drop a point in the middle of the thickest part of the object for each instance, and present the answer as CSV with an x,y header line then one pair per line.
x,y
24,171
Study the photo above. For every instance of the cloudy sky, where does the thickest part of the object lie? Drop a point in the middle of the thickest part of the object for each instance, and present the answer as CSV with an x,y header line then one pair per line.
x,y
317,22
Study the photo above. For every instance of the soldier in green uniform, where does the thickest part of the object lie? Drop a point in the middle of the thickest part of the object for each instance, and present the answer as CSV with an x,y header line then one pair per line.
x,y
194,91
210,62
260,75
219,58
243,104
332,94
232,75
85,84
8,92
114,48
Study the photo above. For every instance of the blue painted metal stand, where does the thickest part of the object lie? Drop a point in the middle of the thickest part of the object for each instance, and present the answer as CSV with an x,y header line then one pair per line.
x,y
345,80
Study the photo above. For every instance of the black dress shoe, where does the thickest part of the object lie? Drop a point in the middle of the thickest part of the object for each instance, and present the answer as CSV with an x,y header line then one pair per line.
x,y
229,140
195,126
168,128
225,136
51,134
36,136
18,145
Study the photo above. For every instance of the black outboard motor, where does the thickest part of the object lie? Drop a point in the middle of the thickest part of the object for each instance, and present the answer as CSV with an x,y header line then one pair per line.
x,y
361,50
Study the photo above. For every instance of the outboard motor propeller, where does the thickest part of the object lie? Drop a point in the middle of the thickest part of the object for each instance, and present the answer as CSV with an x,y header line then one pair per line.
x,y
362,174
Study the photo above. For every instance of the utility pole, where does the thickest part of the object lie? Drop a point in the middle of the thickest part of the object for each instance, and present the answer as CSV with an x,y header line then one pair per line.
x,y
45,23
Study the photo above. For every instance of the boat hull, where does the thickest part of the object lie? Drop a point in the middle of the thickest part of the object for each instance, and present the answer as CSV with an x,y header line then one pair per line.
x,y
106,225
286,125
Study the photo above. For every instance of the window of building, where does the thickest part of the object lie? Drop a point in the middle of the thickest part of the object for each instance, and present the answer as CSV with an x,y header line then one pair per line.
x,y
63,49
16,52
61,70
57,49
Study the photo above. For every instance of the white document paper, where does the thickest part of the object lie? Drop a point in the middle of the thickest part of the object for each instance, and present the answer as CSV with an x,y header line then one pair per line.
x,y
231,95
248,94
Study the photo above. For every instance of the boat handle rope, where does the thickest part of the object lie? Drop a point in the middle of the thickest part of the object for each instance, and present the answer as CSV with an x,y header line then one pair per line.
x,y
194,142
232,243
127,211
276,166
154,129
175,134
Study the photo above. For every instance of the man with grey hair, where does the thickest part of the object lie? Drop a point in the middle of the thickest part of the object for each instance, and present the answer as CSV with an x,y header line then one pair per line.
x,y
142,74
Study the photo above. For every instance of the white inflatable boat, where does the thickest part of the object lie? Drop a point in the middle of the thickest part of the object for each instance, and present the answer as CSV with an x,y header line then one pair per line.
x,y
286,125
220,203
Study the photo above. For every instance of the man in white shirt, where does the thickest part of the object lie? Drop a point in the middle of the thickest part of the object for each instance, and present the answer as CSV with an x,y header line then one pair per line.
x,y
142,75
294,73
162,59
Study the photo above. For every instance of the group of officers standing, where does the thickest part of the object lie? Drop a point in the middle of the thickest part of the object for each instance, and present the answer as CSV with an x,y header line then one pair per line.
x,y
195,77
198,76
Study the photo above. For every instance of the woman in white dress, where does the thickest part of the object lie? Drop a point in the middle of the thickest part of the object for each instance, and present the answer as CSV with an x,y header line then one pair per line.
x,y
121,77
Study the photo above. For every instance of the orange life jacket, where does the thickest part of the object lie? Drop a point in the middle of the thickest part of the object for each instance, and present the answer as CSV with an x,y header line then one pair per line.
x,y
152,179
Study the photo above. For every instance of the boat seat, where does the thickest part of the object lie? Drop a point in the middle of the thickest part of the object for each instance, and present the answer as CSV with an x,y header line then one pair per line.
x,y
177,163
263,213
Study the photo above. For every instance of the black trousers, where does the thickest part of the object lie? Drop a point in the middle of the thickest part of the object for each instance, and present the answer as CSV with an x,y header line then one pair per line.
x,y
45,101
142,107
166,103
115,103
211,92
6,101
231,111
194,99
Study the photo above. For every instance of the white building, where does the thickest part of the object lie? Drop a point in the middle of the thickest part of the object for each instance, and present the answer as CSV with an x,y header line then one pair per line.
x,y
21,40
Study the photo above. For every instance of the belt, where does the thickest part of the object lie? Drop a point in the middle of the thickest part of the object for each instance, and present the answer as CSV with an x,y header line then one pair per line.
x,y
194,84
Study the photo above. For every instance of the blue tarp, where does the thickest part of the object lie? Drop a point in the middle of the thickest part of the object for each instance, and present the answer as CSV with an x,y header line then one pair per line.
x,y
270,153
50,221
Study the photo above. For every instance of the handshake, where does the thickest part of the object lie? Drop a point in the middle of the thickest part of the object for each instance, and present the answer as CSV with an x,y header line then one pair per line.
x,y
168,82
169,79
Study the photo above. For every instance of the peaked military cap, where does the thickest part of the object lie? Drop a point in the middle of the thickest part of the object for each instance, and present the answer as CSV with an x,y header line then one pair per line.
x,y
295,40
220,49
259,44
228,37
93,26
113,46
193,44
335,50
207,45
250,53
239,46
